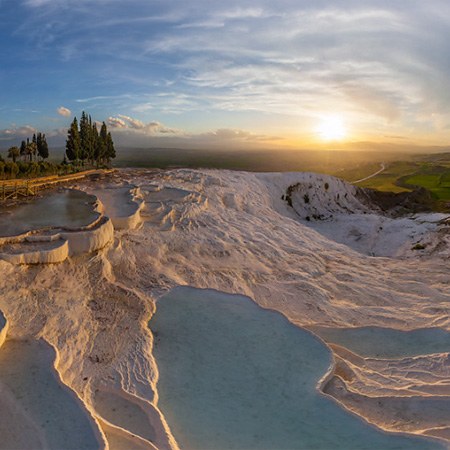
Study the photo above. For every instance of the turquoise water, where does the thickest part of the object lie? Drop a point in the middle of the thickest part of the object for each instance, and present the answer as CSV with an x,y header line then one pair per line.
x,y
69,208
26,369
376,342
235,376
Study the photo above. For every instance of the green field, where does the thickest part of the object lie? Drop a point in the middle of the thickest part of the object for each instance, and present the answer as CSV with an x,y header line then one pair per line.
x,y
438,185
429,172
387,180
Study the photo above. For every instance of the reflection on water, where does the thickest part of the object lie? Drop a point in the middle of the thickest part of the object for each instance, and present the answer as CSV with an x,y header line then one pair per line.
x,y
235,376
69,208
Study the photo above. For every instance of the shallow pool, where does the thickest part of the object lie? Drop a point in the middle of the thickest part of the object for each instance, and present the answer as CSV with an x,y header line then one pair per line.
x,y
68,208
40,412
166,194
377,342
235,376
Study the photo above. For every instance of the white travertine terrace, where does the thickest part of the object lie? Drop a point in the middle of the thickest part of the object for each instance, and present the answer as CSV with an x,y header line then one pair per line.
x,y
122,203
56,245
232,232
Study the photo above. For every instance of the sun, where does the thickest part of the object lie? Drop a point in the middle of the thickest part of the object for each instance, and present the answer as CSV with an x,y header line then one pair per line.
x,y
332,128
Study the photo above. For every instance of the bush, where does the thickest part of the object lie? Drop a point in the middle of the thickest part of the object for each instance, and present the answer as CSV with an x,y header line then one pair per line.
x,y
11,170
33,169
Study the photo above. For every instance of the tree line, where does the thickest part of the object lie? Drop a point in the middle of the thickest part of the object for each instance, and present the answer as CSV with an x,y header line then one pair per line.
x,y
30,150
86,144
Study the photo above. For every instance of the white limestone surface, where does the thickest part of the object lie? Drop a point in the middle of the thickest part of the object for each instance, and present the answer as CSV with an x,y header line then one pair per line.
x,y
122,204
232,232
333,208
54,244
36,252
90,240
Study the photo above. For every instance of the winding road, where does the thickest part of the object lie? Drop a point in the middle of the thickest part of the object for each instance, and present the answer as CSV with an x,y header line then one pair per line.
x,y
382,168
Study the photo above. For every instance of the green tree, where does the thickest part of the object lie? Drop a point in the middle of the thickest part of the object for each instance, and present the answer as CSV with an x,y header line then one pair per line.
x,y
107,142
104,140
31,150
11,169
42,146
110,149
99,149
85,138
92,141
23,150
34,141
13,153
73,142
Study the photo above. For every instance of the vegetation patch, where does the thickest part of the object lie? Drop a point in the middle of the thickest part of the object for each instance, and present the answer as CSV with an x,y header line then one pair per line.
x,y
86,147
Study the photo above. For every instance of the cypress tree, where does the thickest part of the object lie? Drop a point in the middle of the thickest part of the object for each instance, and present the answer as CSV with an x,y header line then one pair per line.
x,y
34,147
42,146
86,142
104,141
99,149
110,150
85,133
73,142
92,141
23,149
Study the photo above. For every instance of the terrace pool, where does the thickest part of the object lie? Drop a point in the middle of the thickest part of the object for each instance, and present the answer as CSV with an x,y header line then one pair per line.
x,y
387,343
235,376
67,208
37,411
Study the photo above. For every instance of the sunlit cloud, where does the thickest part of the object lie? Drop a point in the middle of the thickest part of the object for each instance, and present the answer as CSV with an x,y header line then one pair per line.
x,y
157,135
378,63
122,122
65,112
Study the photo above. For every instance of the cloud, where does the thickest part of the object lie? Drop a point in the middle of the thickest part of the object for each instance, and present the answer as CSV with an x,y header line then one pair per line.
x,y
17,133
133,123
227,134
128,130
65,112
378,63
115,122
122,122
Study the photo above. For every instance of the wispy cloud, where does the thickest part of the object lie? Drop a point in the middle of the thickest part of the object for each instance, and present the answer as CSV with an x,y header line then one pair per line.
x,y
380,64
136,132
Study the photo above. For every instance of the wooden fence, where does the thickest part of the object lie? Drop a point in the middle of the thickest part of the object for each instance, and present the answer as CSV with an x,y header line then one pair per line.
x,y
13,189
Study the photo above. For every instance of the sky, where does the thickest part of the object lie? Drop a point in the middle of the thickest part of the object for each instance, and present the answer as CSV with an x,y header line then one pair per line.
x,y
234,74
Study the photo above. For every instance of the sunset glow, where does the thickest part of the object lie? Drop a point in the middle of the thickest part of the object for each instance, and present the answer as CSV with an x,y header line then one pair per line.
x,y
332,128
244,74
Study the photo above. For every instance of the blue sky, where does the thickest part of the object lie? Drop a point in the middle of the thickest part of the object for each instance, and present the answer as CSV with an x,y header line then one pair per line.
x,y
237,73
